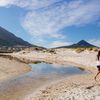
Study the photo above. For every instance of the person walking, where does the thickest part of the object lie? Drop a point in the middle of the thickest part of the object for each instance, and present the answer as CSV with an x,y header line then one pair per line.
x,y
98,65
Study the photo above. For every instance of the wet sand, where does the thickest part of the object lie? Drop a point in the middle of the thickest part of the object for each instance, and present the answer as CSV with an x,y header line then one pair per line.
x,y
18,88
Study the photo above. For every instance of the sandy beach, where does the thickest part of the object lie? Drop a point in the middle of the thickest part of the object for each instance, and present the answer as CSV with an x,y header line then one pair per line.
x,y
73,88
81,87
77,87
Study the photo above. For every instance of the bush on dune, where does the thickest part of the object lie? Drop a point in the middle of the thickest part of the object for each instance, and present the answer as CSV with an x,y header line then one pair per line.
x,y
79,50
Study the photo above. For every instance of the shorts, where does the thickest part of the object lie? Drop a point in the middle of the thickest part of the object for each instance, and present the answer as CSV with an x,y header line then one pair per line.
x,y
98,66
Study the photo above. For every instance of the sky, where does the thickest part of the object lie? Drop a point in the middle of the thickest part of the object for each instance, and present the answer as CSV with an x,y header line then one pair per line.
x,y
52,23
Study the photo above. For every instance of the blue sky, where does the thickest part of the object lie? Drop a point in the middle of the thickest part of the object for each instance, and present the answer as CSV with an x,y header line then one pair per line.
x,y
52,23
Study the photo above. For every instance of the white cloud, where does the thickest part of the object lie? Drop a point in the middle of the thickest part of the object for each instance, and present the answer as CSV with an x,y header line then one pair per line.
x,y
35,4
29,4
59,43
50,20
95,42
6,2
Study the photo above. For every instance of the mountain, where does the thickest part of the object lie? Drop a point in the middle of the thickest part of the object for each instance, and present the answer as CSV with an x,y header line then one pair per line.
x,y
80,44
10,40
83,44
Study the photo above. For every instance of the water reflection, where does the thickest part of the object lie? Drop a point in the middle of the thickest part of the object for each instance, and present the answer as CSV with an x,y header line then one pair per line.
x,y
45,69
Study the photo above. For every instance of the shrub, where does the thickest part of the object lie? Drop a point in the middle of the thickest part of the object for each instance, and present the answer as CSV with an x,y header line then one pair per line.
x,y
79,50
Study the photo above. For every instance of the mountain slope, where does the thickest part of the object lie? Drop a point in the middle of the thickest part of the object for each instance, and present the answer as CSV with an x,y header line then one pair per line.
x,y
9,39
80,44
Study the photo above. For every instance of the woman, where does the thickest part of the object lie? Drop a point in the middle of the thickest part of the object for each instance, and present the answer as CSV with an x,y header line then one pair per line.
x,y
98,64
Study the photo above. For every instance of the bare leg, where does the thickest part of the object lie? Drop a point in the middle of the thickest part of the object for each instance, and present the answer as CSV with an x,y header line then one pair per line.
x,y
97,75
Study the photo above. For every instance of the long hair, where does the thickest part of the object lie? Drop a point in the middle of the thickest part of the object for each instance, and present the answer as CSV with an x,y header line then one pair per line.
x,y
98,55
